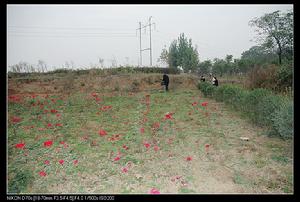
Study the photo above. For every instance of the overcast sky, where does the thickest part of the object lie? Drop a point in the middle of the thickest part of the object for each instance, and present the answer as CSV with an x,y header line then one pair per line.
x,y
85,33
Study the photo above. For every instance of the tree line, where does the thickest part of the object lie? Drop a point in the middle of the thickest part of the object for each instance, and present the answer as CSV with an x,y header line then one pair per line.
x,y
275,46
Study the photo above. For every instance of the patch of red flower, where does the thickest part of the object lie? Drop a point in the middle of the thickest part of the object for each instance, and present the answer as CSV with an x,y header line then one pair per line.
x,y
102,132
194,103
75,162
207,147
14,98
48,143
125,147
117,158
53,111
59,124
42,173
58,115
188,158
156,148
61,161
49,125
154,191
124,170
20,145
16,119
94,94
62,142
47,162
142,130
204,104
146,144
168,116
105,108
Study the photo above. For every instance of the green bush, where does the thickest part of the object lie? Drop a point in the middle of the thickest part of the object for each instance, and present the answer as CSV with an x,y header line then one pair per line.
x,y
266,108
284,77
206,88
251,101
219,93
283,120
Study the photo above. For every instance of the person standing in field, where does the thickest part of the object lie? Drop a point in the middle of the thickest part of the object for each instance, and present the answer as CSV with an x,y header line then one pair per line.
x,y
165,81
202,78
215,81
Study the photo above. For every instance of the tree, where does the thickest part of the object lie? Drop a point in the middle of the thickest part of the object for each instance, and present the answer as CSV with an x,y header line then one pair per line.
x,y
101,61
275,31
164,56
259,55
204,67
181,53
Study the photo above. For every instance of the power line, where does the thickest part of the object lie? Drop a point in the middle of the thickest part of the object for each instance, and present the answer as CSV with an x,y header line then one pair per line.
x,y
70,36
65,28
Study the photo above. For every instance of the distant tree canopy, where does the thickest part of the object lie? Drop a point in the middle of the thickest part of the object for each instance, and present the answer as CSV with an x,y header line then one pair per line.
x,y
275,32
181,53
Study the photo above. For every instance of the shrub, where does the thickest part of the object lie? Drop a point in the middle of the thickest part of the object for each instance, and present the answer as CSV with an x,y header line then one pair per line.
x,y
283,119
207,89
284,77
251,101
219,93
266,108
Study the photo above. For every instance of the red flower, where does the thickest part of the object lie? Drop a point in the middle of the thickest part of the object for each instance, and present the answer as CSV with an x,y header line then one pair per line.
x,y
117,158
53,111
125,147
20,145
168,116
102,132
48,143
49,125
61,161
142,130
154,191
206,145
98,99
156,148
94,94
58,115
147,145
75,162
42,173
194,103
47,162
188,158
59,124
62,142
16,119
204,104
124,170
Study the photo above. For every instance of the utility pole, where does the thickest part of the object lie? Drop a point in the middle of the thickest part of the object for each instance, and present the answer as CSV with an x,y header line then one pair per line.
x,y
150,48
140,43
150,41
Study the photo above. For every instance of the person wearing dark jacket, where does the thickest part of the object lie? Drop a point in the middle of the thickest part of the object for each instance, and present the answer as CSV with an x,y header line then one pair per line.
x,y
165,81
215,81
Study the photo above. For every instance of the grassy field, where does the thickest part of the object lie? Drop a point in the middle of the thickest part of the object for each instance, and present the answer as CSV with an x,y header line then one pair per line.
x,y
96,141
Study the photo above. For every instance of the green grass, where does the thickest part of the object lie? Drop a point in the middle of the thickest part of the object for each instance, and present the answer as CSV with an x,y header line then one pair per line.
x,y
97,172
